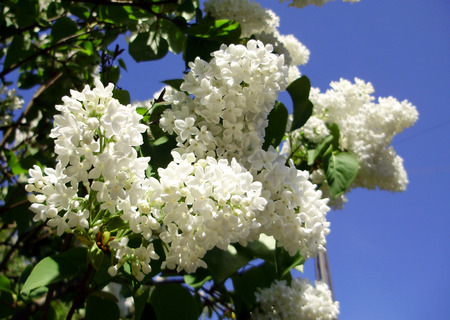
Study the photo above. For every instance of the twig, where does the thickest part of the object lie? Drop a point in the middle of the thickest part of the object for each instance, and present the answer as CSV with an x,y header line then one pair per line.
x,y
30,105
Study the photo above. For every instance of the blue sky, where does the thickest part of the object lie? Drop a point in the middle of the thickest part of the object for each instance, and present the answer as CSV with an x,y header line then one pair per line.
x,y
389,252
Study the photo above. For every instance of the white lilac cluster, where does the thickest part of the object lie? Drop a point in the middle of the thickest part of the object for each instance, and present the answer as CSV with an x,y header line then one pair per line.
x,y
366,129
221,187
295,214
304,3
263,25
233,95
95,139
203,203
300,300
225,119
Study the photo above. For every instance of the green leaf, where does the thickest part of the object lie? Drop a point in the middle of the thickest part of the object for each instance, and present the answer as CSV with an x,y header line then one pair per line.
x,y
173,301
299,92
140,301
113,14
207,37
79,11
26,12
258,249
174,83
174,36
246,284
122,64
113,75
122,95
95,256
6,297
277,126
63,27
17,50
341,169
5,283
159,150
55,268
319,150
7,302
222,264
285,262
99,307
148,46
115,223
198,279
28,80
198,47
14,163
225,31
334,131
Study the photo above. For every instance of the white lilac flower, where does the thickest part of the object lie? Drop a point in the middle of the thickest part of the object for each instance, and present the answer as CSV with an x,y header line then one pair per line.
x,y
233,94
366,129
94,139
300,300
203,203
295,214
304,3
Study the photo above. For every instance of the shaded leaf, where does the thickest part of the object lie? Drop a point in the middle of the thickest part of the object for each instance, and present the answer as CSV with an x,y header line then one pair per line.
x,y
247,283
222,264
173,301
122,95
148,46
257,249
198,279
198,47
277,126
140,301
17,51
63,28
26,12
174,83
299,92
99,307
285,262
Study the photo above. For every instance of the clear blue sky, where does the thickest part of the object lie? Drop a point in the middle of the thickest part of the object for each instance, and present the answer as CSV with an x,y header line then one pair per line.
x,y
389,252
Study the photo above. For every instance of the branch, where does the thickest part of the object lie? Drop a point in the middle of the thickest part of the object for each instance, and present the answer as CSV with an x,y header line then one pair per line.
x,y
29,106
63,41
